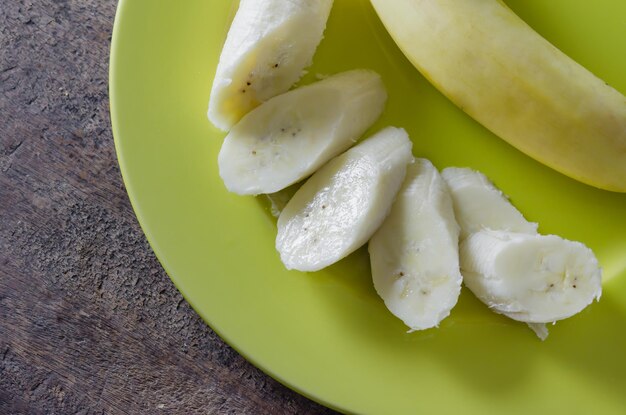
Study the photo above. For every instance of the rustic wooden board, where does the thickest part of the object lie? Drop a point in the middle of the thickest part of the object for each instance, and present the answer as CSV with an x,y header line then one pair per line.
x,y
89,321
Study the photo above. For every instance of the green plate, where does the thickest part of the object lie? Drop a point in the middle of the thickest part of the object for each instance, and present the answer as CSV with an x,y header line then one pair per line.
x,y
326,334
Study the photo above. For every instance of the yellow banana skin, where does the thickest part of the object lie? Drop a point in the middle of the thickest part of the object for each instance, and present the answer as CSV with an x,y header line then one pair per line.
x,y
491,64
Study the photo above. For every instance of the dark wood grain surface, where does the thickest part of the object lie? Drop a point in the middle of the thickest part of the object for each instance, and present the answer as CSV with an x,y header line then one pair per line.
x,y
89,321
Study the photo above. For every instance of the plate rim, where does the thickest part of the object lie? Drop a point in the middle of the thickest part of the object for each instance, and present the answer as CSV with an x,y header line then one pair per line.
x,y
119,153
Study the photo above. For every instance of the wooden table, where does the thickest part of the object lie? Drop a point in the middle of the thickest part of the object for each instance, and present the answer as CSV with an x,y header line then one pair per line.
x,y
89,321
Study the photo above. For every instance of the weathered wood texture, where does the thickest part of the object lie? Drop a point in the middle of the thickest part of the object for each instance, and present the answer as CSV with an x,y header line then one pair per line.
x,y
89,321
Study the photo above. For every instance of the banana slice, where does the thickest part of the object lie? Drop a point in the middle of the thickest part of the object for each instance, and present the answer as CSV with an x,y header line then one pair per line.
x,y
510,267
530,278
414,254
339,208
478,204
268,45
290,136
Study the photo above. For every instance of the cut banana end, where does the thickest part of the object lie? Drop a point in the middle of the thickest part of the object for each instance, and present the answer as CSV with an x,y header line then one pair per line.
x,y
414,254
530,278
339,208
290,136
268,45
478,204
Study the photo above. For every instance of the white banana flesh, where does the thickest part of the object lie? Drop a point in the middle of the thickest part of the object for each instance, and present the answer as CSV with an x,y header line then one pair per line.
x,y
339,208
268,45
478,204
414,254
506,76
290,136
530,278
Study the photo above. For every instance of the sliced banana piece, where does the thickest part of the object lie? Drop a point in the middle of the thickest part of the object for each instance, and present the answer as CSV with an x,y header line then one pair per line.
x,y
268,45
414,254
478,204
290,136
339,208
530,278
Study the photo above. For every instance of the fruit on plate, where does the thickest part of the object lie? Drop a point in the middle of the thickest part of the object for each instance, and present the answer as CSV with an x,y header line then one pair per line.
x,y
339,208
414,254
509,266
530,278
502,73
269,44
478,204
290,136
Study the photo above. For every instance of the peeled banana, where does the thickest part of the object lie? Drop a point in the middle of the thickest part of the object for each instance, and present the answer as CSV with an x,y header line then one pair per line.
x,y
291,135
530,278
506,76
414,254
478,204
268,45
339,208
511,268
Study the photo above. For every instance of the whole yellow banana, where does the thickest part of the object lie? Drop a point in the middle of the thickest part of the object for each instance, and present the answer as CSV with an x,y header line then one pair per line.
x,y
491,64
